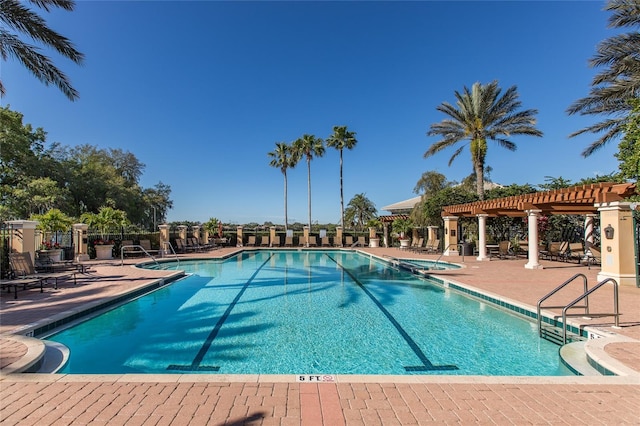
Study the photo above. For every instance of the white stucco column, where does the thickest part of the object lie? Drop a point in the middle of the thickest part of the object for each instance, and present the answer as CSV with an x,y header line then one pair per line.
x,y
450,236
195,229
534,256
239,242
482,237
22,237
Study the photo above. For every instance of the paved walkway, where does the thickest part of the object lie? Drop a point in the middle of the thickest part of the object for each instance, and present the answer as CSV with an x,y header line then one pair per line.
x,y
350,400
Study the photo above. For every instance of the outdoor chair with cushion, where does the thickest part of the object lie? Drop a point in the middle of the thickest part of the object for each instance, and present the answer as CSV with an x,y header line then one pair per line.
x,y
362,241
276,241
23,268
251,242
312,241
348,241
576,252
127,248
594,256
264,241
146,245
288,241
324,241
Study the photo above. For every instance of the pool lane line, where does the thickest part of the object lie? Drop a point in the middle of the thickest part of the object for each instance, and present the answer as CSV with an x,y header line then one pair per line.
x,y
426,364
195,365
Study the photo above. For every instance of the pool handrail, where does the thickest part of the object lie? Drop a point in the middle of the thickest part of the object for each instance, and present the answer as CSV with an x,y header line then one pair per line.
x,y
168,243
135,246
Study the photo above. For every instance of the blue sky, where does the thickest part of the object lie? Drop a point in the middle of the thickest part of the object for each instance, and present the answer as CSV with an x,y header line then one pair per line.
x,y
201,91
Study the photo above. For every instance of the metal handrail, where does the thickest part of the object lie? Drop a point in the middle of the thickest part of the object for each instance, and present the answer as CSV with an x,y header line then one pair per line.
x,y
444,250
168,243
616,310
136,247
557,289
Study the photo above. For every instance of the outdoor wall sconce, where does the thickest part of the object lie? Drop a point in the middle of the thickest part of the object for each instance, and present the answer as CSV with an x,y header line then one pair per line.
x,y
453,232
608,232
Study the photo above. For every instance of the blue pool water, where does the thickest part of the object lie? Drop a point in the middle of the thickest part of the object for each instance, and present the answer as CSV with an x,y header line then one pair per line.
x,y
306,312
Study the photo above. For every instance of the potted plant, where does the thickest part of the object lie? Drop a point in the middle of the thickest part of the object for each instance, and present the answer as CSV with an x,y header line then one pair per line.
x,y
401,227
52,222
106,220
373,225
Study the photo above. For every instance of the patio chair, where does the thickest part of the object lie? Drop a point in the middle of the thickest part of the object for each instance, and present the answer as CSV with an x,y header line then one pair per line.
x,y
417,244
181,247
348,241
251,242
313,241
127,249
434,247
362,241
288,241
146,245
276,241
24,283
264,241
23,268
324,242
594,256
504,249
576,252
302,241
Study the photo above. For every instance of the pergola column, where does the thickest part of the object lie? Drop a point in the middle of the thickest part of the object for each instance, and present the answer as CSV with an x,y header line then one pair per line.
x,y
588,231
305,232
385,234
182,232
482,237
616,243
450,236
272,236
532,224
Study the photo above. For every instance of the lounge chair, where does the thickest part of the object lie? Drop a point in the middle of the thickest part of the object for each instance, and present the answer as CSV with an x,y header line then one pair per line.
x,y
417,244
276,241
251,242
362,241
23,268
264,241
557,249
433,247
302,242
594,256
288,241
324,242
24,283
576,252
312,241
146,245
127,248
348,241
181,247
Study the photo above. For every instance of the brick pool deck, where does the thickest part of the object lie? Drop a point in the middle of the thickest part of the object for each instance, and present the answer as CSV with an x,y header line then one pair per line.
x,y
174,399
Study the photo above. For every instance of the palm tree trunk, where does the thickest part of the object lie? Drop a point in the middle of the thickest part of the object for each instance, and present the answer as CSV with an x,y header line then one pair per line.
x,y
479,179
341,195
286,221
309,190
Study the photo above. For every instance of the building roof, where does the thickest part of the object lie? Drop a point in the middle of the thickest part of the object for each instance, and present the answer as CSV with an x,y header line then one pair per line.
x,y
402,206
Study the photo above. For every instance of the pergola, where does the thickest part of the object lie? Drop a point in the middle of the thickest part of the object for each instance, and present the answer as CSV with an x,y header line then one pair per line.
x,y
587,200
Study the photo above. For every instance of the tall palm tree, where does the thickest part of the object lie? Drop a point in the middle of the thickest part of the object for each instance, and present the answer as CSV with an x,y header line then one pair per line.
x,y
360,211
480,114
619,82
309,146
19,18
283,157
341,139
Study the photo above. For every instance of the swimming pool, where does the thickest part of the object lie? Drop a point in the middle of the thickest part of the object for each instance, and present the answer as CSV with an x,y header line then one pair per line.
x,y
307,312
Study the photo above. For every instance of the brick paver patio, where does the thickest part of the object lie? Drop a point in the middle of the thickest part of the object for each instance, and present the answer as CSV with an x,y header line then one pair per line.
x,y
353,400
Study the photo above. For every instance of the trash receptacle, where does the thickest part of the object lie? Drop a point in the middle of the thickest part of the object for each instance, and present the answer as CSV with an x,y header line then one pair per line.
x,y
467,249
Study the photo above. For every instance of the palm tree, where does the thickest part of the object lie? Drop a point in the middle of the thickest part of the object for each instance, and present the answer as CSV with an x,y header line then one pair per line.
x,y
283,157
481,114
16,16
308,146
618,83
341,139
360,211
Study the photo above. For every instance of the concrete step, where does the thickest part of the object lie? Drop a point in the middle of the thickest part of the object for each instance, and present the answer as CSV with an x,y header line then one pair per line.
x,y
573,355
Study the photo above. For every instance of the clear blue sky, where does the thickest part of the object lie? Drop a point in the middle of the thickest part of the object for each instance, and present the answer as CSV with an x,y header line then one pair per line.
x,y
200,91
